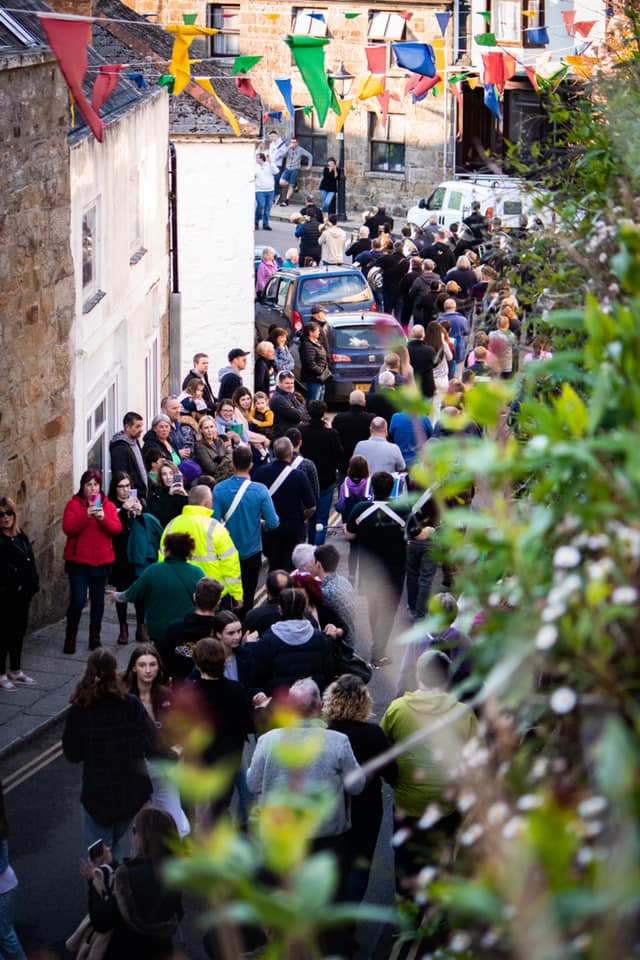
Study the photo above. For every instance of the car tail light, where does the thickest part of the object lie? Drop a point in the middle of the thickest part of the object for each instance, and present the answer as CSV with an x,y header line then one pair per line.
x,y
296,321
340,358
374,308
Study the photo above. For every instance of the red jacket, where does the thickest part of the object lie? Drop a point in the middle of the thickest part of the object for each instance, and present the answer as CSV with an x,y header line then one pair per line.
x,y
89,540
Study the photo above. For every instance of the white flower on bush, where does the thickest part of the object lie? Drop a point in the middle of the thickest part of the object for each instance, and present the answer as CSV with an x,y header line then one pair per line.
x,y
553,612
466,800
460,942
546,637
625,596
563,700
539,769
539,443
600,569
431,815
567,557
513,827
592,806
469,836
497,813
529,801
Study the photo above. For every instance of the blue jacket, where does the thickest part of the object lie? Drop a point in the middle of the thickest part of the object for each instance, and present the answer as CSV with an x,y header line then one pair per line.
x,y
244,524
403,430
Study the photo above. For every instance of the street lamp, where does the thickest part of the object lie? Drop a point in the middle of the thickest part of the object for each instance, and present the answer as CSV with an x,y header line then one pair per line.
x,y
342,81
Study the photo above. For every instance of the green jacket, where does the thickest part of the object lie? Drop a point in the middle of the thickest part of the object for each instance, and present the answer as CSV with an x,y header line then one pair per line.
x,y
166,589
423,770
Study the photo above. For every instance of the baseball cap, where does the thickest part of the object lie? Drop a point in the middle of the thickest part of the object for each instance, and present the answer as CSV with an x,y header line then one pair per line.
x,y
234,354
317,308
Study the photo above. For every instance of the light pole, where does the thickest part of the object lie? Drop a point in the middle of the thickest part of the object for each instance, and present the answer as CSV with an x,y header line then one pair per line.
x,y
342,81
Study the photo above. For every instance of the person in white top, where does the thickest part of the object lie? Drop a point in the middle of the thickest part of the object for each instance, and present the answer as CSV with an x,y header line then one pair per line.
x,y
380,453
332,242
266,173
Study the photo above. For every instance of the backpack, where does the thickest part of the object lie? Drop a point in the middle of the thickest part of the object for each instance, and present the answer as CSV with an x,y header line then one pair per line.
x,y
375,277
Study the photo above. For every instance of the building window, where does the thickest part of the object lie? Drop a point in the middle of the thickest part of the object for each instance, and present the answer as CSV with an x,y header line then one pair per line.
x,y
386,26
152,380
506,21
535,22
310,21
311,138
90,279
387,143
101,425
224,17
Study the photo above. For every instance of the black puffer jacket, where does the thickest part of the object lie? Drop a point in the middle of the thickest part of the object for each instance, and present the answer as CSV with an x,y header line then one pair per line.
x,y
314,362
292,650
309,241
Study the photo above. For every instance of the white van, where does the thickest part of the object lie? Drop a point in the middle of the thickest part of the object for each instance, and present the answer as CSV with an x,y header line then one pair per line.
x,y
502,197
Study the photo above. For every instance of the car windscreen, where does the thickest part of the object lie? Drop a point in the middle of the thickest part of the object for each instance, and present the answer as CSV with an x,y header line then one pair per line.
x,y
364,336
345,288
436,199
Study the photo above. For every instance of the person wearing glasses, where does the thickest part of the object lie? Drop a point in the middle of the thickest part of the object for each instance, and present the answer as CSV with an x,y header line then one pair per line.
x,y
18,585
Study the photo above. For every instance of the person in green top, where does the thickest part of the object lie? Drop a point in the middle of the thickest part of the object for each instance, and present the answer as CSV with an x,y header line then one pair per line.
x,y
426,769
166,589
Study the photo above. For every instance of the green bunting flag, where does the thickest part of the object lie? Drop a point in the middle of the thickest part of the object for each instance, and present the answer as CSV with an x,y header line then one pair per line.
x,y
244,64
487,16
307,111
308,54
485,39
351,16
167,80
189,18
458,78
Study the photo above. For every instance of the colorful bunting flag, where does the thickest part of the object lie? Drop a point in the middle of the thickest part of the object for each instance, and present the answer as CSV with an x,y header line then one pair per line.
x,y
68,40
531,73
179,66
245,87
106,82
473,82
538,36
416,57
498,68
491,101
530,14
244,64
456,90
486,16
569,16
485,39
406,16
275,115
167,80
284,86
583,27
370,87
443,21
309,110
316,16
308,54
377,58
344,108
581,66
457,78
351,16
272,16
423,86
139,80
205,83
189,18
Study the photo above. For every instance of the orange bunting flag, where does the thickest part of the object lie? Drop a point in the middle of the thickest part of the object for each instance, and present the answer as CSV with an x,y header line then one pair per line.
x,y
179,66
68,40
205,83
531,73
272,16
583,27
569,16
377,58
345,108
371,87
581,66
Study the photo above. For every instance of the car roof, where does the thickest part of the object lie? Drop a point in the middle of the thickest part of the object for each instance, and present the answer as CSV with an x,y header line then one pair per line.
x,y
315,271
358,317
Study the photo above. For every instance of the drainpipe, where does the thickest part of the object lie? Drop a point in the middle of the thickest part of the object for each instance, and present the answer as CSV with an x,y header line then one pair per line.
x,y
175,320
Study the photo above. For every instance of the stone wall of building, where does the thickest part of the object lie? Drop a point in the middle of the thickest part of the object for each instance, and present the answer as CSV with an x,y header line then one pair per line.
x,y
36,310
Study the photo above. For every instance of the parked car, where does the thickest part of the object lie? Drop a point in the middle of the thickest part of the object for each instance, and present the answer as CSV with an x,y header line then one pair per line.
x,y
359,342
503,197
292,292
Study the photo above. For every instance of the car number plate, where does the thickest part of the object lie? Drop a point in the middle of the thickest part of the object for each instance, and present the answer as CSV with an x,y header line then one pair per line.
x,y
365,387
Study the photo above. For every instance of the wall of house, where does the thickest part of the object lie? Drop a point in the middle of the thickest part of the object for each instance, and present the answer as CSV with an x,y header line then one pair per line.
x,y
215,243
36,310
113,337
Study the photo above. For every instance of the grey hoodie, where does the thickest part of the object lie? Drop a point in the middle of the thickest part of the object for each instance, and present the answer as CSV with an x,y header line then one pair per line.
x,y
293,632
121,437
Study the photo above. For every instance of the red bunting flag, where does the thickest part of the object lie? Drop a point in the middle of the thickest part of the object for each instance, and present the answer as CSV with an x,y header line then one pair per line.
x,y
245,86
405,16
531,73
583,27
498,68
68,40
377,58
106,82
569,16
421,85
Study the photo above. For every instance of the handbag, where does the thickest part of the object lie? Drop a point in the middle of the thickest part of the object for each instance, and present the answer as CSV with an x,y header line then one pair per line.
x,y
347,661
88,943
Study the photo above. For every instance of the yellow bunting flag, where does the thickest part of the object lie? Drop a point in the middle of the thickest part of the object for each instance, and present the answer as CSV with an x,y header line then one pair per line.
x,y
345,108
529,13
272,16
581,66
179,66
473,82
370,87
205,83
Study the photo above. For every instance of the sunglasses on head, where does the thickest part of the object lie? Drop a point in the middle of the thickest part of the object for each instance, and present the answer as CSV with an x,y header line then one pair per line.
x,y
7,513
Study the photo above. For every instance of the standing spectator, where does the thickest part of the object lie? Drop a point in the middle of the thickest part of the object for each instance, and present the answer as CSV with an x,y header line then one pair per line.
x,y
449,639
230,377
90,522
292,163
246,509
314,362
336,589
157,438
293,501
379,532
213,452
192,402
436,338
288,410
369,256
355,488
318,313
321,444
381,455
283,358
10,945
179,438
394,265
440,252
410,433
379,403
261,415
275,154
19,584
264,374
329,184
502,345
422,356
291,258
332,242
266,613
360,245
126,453
308,233
229,425
266,269
181,637
379,218
266,172
352,426
242,406
477,222
459,329
109,732
463,276
200,369
405,300
311,209
167,495
303,464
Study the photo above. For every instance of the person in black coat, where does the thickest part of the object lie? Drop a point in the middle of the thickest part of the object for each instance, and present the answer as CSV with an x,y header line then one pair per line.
x,y
321,444
125,453
293,500
360,245
379,219
288,410
405,298
422,357
19,584
329,185
347,708
441,254
314,361
178,644
311,209
264,371
352,426
308,232
201,371
394,265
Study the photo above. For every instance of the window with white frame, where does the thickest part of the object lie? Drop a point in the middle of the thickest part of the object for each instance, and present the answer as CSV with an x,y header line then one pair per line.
x,y
224,16
90,252
506,21
387,143
101,425
386,26
310,21
152,380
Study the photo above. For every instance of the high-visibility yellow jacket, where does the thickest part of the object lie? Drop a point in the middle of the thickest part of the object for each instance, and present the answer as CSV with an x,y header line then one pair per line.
x,y
215,552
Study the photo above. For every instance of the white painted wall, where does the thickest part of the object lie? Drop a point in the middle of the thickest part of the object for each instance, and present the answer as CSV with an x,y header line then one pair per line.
x,y
215,242
112,339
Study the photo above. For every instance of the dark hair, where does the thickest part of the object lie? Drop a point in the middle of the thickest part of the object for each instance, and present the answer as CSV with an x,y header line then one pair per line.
x,y
204,480
261,156
312,327
316,409
207,593
100,680
433,669
241,392
159,693
285,375
90,475
199,356
433,335
225,402
275,332
331,158
328,556
156,834
222,619
272,584
347,699
151,456
179,545
293,603
10,506
130,418
468,376
358,468
209,657
294,435
333,219
241,457
193,384
117,478
381,485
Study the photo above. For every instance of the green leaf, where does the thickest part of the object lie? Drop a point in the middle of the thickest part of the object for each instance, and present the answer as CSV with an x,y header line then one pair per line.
x,y
315,881
573,411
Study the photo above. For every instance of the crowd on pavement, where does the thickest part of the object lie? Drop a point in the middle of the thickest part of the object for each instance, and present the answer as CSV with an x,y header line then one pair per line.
x,y
220,479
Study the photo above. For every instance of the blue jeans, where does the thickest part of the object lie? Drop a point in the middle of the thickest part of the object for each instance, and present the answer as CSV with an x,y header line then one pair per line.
x,y
117,836
264,202
10,946
81,580
321,516
315,391
421,570
327,199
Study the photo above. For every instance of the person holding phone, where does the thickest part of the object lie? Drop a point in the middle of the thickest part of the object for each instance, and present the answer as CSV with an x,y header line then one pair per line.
x,y
167,495
90,522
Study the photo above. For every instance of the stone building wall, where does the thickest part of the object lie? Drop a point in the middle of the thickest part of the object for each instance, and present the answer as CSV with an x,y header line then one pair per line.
x,y
36,310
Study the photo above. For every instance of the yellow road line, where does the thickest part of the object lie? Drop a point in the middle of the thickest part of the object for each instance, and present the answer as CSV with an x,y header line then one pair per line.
x,y
29,769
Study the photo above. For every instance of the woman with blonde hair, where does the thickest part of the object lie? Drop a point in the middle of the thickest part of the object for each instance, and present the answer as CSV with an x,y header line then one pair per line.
x,y
18,586
347,708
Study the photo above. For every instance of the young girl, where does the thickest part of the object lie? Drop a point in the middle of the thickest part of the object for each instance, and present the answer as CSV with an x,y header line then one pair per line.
x,y
261,415
192,400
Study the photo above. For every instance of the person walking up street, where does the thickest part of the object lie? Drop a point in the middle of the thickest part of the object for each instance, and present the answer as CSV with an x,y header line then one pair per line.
x,y
321,444
293,500
291,172
266,172
333,240
276,151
